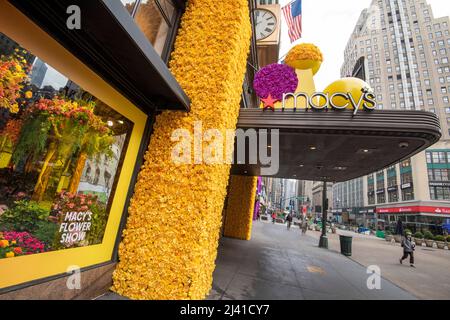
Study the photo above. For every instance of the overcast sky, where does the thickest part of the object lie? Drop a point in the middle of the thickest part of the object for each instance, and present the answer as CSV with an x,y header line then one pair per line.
x,y
329,24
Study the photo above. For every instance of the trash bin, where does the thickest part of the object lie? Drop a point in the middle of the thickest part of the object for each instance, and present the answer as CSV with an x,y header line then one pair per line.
x,y
346,245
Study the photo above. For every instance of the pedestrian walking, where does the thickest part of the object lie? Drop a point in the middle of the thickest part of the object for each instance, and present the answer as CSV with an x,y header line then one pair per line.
x,y
289,221
274,216
304,226
408,249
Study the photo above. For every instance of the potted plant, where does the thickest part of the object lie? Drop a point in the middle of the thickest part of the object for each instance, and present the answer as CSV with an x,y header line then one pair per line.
x,y
440,241
388,236
418,238
398,238
428,239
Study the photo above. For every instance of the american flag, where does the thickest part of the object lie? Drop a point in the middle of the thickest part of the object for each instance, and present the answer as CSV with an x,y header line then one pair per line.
x,y
293,15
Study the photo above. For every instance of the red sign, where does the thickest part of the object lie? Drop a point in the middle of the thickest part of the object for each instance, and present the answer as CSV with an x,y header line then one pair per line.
x,y
415,209
304,210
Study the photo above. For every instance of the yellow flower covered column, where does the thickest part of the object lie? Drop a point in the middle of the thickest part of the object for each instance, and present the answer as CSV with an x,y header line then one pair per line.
x,y
240,207
171,238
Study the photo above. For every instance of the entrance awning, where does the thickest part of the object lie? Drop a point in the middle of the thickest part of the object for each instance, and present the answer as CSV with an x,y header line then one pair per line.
x,y
336,146
112,45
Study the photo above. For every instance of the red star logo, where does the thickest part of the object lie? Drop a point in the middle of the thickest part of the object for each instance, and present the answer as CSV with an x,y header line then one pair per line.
x,y
269,102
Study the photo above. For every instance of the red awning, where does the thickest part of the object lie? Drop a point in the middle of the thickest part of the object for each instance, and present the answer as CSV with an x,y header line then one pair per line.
x,y
415,209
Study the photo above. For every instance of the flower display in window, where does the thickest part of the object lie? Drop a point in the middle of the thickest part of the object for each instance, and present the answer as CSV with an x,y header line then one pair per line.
x,y
13,75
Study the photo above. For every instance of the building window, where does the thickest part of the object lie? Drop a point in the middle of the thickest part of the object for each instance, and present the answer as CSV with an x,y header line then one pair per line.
x,y
158,20
62,165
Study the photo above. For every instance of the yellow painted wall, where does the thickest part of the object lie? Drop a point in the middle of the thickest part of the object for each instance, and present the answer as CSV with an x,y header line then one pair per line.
x,y
170,242
240,207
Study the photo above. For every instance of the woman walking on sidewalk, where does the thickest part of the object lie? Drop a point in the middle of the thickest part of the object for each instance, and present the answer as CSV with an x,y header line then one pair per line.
x,y
408,249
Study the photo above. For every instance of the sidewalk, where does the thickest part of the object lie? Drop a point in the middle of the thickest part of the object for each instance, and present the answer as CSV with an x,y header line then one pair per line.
x,y
280,264
429,280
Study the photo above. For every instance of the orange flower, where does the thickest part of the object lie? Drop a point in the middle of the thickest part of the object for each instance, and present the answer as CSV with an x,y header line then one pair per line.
x,y
4,243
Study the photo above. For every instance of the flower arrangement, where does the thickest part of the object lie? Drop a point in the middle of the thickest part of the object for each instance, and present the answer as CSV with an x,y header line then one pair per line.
x,y
19,243
305,56
275,80
170,242
304,51
240,207
13,75
71,202
12,130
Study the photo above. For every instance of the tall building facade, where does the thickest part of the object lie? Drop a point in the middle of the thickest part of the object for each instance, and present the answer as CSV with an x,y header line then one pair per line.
x,y
403,51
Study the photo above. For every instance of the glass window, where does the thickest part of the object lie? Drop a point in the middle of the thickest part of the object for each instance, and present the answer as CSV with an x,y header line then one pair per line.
x,y
129,5
61,152
155,19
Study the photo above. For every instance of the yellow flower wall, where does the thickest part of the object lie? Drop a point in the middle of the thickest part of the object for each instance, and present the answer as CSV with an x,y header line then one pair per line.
x,y
240,207
170,241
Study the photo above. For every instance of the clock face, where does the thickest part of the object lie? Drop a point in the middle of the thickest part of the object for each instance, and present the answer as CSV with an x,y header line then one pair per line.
x,y
266,22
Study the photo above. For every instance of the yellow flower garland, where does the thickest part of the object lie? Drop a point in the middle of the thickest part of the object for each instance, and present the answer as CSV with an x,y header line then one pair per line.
x,y
171,238
240,207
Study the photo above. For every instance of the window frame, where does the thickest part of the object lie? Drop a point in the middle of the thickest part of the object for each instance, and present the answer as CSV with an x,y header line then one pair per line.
x,y
173,25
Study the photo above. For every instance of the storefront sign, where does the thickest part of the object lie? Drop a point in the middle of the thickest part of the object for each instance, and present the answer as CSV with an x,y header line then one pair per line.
x,y
406,185
380,191
393,188
439,184
323,101
415,209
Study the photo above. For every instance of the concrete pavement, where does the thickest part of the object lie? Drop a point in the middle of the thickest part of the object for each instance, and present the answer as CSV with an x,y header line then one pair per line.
x,y
429,280
280,264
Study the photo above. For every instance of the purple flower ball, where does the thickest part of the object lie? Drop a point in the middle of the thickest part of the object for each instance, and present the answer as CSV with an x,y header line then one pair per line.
x,y
275,80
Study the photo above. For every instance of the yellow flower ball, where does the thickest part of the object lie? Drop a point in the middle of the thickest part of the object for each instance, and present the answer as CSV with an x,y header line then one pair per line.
x,y
9,255
28,94
305,56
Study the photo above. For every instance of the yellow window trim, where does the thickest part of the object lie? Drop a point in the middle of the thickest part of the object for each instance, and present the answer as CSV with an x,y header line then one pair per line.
x,y
18,270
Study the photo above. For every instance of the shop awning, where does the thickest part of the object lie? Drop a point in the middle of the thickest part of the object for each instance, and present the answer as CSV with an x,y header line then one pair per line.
x,y
336,146
112,45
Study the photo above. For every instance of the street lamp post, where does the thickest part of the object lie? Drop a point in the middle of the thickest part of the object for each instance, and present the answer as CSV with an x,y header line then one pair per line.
x,y
323,243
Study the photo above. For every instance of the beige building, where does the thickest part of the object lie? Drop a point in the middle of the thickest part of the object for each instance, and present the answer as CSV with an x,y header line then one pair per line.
x,y
403,51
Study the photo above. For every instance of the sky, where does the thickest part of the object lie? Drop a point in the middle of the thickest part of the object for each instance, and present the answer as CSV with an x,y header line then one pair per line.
x,y
329,24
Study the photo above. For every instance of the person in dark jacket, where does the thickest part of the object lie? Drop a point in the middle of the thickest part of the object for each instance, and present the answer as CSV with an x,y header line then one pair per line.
x,y
289,220
408,249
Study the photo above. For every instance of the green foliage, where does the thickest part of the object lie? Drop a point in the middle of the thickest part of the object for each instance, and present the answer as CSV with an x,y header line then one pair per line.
x,y
448,238
408,231
24,216
428,235
418,235
388,233
33,139
98,226
46,232
439,238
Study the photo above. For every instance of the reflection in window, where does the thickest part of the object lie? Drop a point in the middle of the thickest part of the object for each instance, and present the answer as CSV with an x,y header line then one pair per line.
x,y
154,18
61,151
129,5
